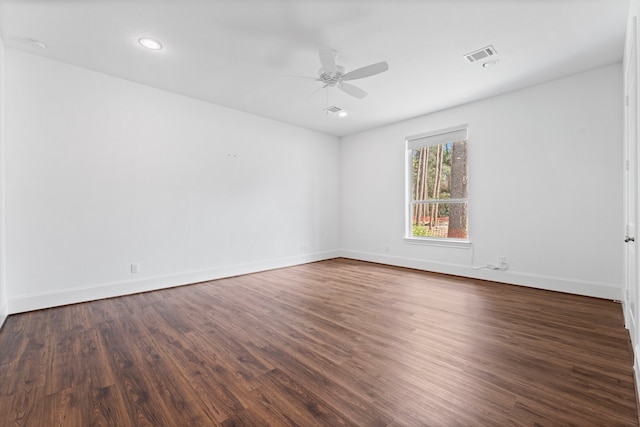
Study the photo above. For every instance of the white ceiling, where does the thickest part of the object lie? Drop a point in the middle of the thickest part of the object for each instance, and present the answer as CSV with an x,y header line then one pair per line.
x,y
236,53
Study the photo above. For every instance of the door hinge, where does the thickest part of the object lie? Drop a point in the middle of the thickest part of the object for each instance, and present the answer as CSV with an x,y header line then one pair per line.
x,y
626,164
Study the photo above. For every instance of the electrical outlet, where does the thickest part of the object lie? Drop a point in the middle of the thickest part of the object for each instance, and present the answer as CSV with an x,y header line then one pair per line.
x,y
135,268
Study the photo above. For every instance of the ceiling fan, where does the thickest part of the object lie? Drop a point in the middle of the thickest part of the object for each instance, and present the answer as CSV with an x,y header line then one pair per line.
x,y
333,75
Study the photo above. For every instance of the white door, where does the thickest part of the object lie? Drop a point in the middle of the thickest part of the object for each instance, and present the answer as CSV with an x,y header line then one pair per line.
x,y
631,199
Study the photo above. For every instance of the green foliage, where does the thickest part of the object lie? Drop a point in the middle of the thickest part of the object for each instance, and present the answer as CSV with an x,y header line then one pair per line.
x,y
420,230
423,231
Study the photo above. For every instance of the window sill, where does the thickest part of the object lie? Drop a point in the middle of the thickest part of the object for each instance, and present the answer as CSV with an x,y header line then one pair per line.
x,y
429,241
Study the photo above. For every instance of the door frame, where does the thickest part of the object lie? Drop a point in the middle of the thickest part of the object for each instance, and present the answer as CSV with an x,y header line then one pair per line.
x,y
631,291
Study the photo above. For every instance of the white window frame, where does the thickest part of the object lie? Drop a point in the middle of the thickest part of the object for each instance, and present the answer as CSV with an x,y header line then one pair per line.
x,y
410,143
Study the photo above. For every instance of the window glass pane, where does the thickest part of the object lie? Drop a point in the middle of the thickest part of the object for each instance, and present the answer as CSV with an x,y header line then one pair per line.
x,y
439,172
443,220
437,181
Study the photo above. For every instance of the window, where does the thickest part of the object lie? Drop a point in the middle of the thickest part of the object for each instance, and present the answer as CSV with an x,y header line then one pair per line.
x,y
437,185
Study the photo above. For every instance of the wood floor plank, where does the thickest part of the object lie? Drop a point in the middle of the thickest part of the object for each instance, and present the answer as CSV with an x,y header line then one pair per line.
x,y
329,385
332,343
293,401
143,404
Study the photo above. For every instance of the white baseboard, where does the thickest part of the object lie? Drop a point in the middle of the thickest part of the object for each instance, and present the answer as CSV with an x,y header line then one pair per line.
x,y
37,301
4,313
636,369
559,284
631,324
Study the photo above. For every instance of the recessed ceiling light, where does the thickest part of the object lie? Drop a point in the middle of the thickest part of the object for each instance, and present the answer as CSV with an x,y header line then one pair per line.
x,y
490,63
342,113
150,43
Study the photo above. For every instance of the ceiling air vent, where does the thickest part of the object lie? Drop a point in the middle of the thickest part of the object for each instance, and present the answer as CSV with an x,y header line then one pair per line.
x,y
332,110
485,52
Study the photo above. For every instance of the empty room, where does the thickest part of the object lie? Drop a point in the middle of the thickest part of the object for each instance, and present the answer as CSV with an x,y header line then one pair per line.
x,y
319,213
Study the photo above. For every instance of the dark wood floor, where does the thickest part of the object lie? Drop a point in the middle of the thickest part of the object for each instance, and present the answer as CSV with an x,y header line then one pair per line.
x,y
332,343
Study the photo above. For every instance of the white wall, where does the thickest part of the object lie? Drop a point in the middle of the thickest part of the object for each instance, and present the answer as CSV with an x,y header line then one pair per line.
x,y
102,173
4,307
545,187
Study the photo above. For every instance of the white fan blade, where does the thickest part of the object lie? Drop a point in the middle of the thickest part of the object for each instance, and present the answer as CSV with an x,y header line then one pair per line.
x,y
327,59
314,92
300,77
353,90
366,71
